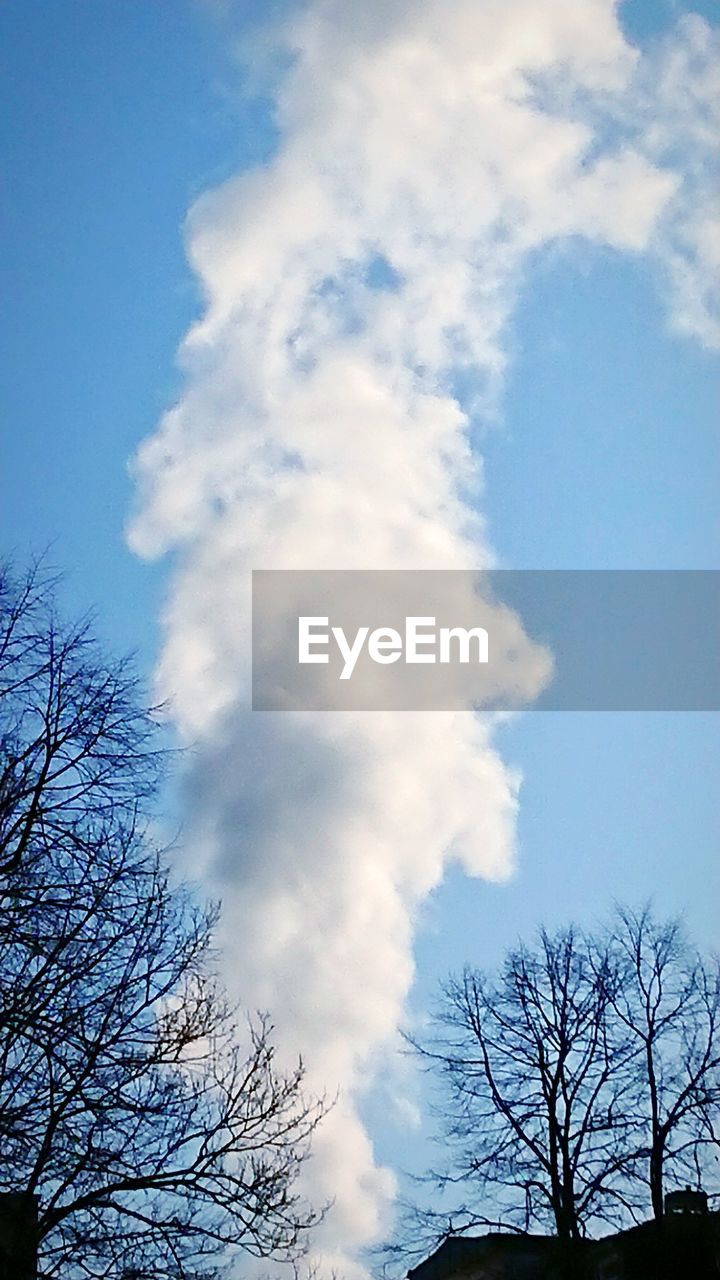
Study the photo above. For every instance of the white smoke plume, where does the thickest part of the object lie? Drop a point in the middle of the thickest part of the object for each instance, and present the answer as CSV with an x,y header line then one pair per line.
x,y
429,149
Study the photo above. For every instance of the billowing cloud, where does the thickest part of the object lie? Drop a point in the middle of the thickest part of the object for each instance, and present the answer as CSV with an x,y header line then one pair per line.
x,y
428,150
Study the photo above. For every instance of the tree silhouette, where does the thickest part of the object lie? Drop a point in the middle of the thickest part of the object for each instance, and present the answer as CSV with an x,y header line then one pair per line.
x,y
536,1087
577,1084
158,1134
668,1001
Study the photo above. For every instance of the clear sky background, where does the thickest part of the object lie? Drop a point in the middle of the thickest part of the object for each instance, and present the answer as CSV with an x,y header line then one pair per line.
x,y
114,118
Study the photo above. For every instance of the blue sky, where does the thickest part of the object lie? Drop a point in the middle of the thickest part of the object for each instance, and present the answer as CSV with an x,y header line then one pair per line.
x,y
114,118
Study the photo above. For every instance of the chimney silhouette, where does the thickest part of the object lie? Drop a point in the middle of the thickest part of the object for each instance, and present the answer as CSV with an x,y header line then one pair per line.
x,y
18,1236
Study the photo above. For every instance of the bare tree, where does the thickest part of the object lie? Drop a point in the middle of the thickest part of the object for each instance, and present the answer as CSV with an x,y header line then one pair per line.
x,y
578,1084
77,753
536,1081
159,1136
668,1001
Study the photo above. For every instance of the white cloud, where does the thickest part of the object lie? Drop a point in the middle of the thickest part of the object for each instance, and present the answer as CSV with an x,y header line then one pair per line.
x,y
680,103
428,147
